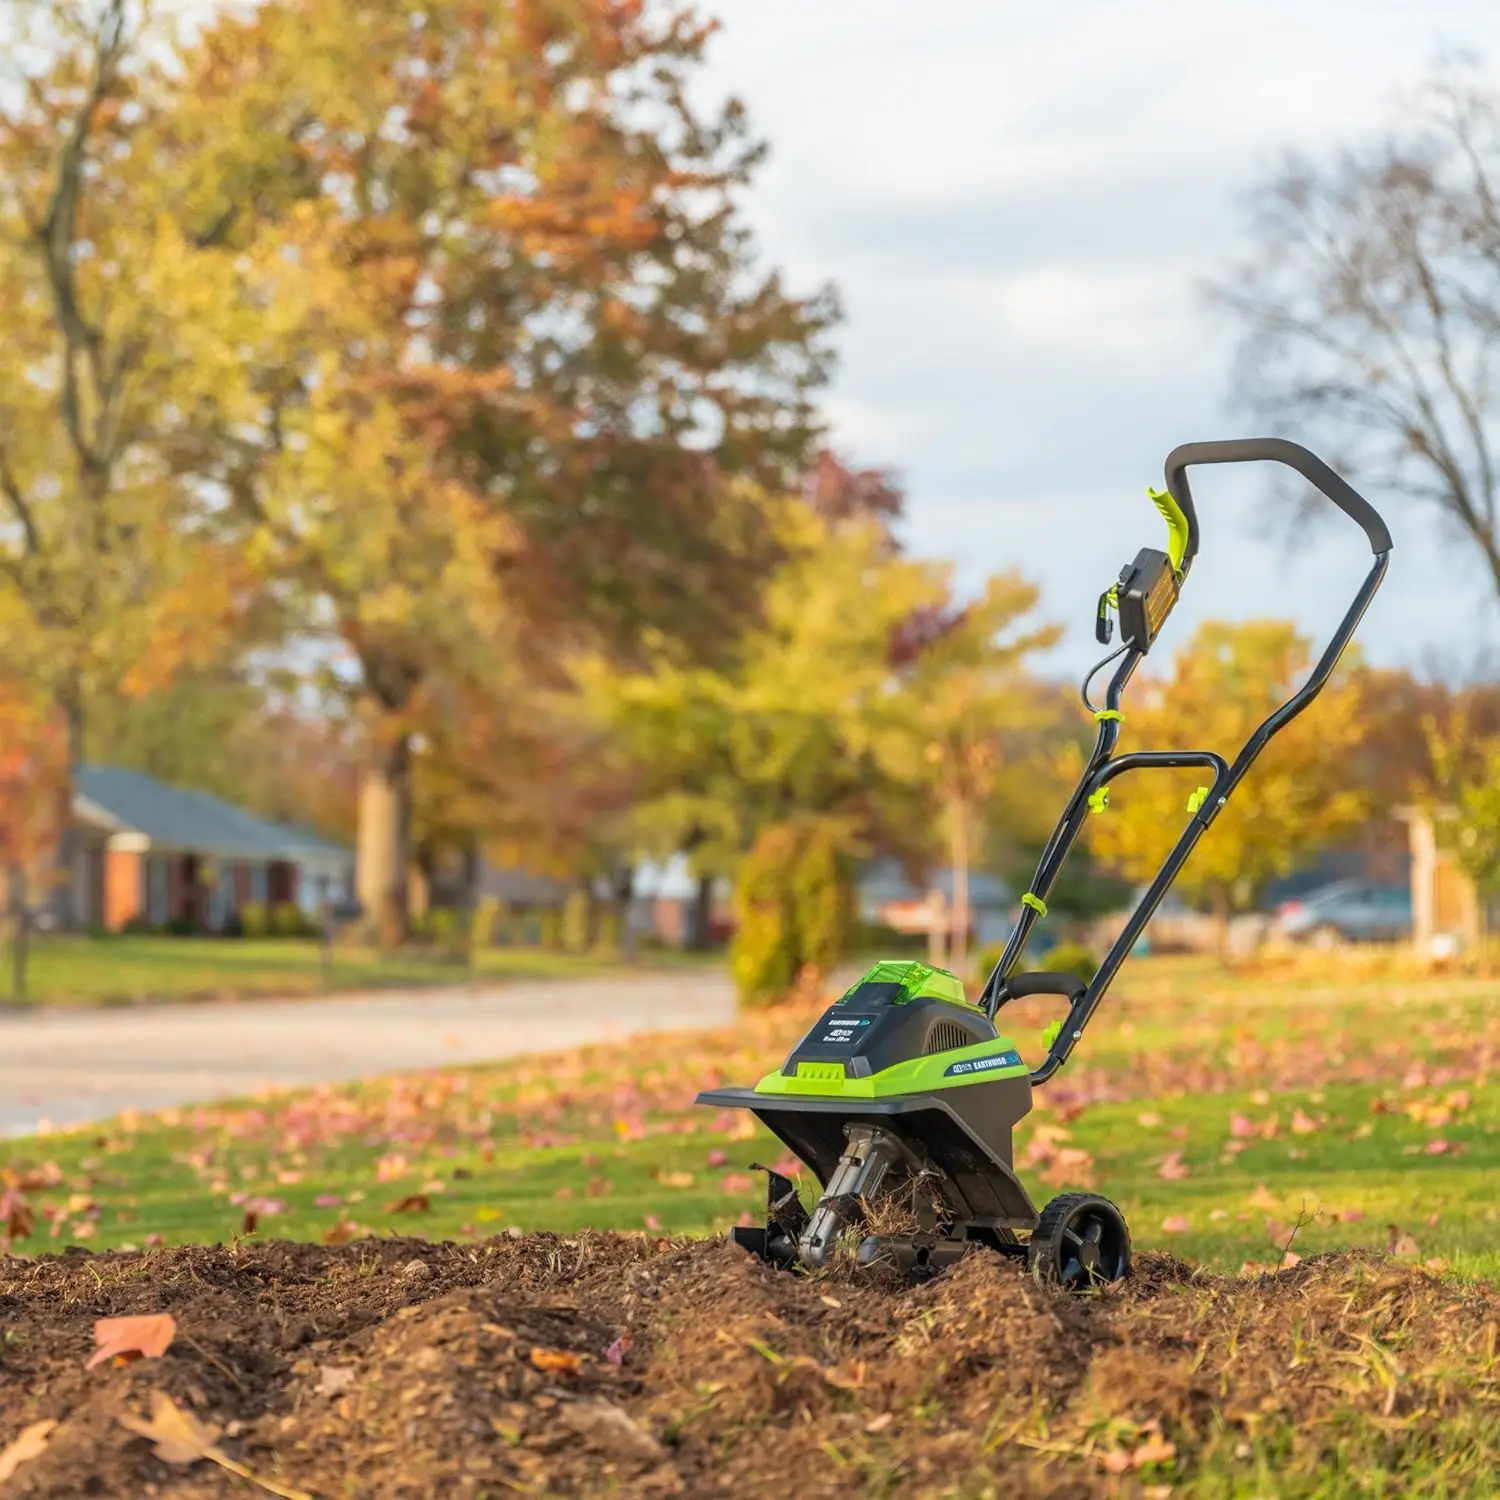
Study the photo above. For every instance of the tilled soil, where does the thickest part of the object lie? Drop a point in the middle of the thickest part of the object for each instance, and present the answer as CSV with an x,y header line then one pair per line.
x,y
618,1365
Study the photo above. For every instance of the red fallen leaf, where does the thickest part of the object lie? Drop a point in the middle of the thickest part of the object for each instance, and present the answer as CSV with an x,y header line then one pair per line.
x,y
1439,1147
146,1337
250,1223
736,1182
1173,1168
718,1159
412,1203
617,1351
1176,1224
328,1200
1240,1127
1351,1215
652,1222
1304,1124
155,1239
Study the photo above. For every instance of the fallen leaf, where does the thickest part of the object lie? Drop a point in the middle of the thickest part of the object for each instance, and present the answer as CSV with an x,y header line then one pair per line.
x,y
652,1222
250,1223
617,1351
1240,1127
675,1179
146,1337
1155,1450
1117,1461
1351,1215
556,1361
328,1200
718,1159
1262,1197
1173,1168
1148,1120
28,1444
1176,1224
880,1423
736,1182
1439,1147
180,1438
1304,1124
332,1379
606,1426
1400,1244
341,1232
412,1203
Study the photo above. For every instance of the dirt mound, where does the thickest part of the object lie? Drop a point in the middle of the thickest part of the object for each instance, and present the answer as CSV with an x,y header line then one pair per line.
x,y
594,1365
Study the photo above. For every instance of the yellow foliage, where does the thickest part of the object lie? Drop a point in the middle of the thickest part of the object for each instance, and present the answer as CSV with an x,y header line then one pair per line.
x,y
1297,798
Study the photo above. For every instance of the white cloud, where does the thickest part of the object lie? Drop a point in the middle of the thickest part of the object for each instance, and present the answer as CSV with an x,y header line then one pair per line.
x,y
1019,203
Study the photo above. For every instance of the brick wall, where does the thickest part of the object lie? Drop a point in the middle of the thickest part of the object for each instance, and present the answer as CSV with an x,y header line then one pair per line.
x,y
124,887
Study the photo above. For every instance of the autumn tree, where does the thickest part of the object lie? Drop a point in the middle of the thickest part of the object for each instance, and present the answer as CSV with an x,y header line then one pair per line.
x,y
1296,801
1370,306
1463,795
517,361
113,294
965,700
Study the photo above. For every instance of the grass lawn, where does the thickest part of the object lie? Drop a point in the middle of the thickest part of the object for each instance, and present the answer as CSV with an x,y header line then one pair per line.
x,y
1249,1117
126,970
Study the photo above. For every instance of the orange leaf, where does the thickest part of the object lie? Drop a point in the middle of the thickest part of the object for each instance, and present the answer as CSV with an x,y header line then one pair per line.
x,y
29,1444
556,1361
146,1337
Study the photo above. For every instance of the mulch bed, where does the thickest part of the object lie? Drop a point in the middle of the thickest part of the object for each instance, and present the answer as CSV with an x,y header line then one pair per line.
x,y
622,1365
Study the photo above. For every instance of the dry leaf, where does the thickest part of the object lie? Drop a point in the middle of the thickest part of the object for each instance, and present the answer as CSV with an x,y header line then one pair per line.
x,y
412,1203
180,1438
147,1337
344,1230
1155,1450
605,1424
1173,1168
28,1445
1176,1224
617,1351
556,1361
333,1379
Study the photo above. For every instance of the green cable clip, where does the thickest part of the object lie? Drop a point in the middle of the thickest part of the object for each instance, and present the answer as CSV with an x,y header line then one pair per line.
x,y
1100,715
1198,799
1051,1034
1099,800
1035,903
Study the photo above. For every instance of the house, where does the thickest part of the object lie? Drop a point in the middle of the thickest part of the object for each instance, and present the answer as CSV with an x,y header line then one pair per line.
x,y
146,851
888,898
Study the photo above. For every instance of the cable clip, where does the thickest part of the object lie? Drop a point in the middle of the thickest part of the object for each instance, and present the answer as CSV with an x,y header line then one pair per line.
x,y
1035,903
1197,799
1099,800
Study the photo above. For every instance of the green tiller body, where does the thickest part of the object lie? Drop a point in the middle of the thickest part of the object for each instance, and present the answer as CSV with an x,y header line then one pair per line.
x,y
903,1098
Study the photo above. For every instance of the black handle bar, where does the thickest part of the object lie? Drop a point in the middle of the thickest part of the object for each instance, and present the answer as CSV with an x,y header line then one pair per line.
x,y
1272,450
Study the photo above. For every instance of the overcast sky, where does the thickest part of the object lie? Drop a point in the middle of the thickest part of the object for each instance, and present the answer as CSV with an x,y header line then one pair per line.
x,y
1019,203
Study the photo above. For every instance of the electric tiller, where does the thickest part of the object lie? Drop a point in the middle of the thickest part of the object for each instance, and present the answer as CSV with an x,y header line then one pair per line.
x,y
903,1097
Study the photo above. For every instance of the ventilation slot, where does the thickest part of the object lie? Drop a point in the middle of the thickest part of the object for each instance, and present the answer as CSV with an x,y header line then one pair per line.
x,y
945,1036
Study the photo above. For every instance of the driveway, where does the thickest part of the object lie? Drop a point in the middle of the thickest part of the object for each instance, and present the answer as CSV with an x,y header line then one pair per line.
x,y
64,1067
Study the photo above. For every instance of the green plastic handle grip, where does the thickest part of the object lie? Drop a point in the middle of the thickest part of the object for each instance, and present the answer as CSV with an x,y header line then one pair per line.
x,y
1177,525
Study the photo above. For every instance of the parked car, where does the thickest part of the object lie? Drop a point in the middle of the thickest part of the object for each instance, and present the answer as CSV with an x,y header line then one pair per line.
x,y
1348,911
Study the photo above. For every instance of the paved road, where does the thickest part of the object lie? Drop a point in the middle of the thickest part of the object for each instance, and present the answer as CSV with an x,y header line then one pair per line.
x,y
65,1067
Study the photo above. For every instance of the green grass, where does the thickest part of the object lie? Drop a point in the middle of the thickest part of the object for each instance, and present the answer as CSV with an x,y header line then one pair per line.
x,y
67,970
1234,1118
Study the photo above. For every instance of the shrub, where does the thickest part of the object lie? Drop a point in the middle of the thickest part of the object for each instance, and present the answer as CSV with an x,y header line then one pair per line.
x,y
793,907
288,920
575,922
1070,958
491,922
549,927
178,927
255,920
607,934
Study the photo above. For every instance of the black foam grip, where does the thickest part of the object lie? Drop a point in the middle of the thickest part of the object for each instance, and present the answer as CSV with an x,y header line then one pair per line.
x,y
1069,986
1280,451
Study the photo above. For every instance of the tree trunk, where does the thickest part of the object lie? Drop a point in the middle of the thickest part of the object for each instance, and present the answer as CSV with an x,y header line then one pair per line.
x,y
18,932
384,835
700,923
57,872
1221,922
960,841
624,892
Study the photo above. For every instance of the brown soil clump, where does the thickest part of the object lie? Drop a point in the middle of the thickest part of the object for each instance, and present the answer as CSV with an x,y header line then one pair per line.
x,y
602,1365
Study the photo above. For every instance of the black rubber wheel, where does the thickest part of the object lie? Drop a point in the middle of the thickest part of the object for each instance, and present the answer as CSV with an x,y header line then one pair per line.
x,y
1080,1241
